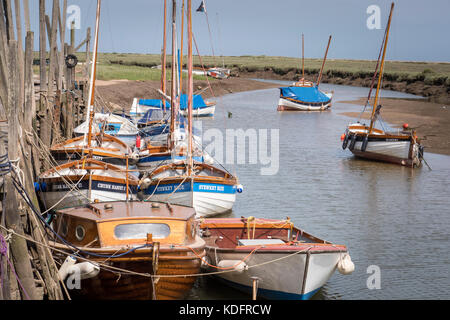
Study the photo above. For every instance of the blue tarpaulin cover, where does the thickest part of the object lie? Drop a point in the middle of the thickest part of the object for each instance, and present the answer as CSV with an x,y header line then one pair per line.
x,y
304,94
157,103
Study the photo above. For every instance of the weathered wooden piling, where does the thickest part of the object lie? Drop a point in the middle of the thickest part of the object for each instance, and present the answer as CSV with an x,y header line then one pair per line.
x,y
33,116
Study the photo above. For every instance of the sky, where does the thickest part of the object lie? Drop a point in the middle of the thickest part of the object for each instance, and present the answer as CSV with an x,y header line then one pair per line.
x,y
419,30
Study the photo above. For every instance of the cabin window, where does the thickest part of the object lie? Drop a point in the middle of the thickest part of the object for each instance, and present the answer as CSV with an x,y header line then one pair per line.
x,y
140,231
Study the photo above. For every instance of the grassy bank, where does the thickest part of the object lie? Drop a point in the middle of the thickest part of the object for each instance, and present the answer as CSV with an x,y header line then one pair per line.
x,y
430,79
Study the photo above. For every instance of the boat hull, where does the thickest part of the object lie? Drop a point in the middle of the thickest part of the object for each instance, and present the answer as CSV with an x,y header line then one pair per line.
x,y
208,199
399,150
56,195
297,277
201,112
109,286
289,105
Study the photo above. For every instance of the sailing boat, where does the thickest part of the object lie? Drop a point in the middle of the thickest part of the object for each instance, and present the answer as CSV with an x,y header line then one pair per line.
x,y
208,189
104,148
214,72
88,180
158,150
303,95
112,124
401,147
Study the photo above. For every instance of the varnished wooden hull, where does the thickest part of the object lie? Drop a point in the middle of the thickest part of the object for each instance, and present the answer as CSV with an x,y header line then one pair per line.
x,y
110,286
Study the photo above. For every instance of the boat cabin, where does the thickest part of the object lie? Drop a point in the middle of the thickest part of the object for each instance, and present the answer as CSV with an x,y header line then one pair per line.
x,y
120,224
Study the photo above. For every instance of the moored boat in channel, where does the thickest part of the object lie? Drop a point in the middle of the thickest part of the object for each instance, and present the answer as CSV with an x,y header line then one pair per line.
x,y
287,262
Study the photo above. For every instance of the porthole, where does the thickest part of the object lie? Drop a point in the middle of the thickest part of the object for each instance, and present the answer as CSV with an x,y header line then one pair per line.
x,y
80,232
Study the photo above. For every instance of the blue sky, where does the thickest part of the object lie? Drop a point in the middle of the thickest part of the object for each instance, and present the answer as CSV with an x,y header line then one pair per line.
x,y
273,28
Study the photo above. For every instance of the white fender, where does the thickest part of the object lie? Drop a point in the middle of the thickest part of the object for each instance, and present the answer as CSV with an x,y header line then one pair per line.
x,y
345,265
86,270
145,183
238,265
63,270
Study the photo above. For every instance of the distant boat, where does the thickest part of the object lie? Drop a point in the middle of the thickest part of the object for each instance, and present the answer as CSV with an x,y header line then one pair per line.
x,y
156,243
201,107
112,124
288,263
304,95
303,98
219,73
401,147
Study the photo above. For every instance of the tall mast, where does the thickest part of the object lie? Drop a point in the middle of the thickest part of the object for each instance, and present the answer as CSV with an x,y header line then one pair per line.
x,y
303,57
380,76
181,54
190,87
163,63
174,76
90,111
323,63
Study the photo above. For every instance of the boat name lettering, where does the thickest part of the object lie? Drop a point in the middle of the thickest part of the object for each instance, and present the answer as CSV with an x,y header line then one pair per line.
x,y
211,188
110,186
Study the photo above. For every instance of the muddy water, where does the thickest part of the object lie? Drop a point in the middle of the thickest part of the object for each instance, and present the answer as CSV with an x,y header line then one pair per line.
x,y
389,216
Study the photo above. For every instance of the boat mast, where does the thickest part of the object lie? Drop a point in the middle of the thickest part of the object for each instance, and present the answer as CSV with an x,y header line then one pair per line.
x,y
90,110
323,63
174,78
380,76
303,58
181,49
163,64
190,86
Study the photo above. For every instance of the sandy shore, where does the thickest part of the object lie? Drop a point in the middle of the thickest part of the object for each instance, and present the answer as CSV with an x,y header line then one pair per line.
x,y
120,93
431,120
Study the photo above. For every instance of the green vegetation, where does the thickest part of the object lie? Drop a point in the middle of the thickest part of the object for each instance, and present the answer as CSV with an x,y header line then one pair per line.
x,y
134,66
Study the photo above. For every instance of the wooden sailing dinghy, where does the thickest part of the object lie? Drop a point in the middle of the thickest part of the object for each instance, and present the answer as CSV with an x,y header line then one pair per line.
x,y
304,95
365,141
151,243
84,181
103,147
287,262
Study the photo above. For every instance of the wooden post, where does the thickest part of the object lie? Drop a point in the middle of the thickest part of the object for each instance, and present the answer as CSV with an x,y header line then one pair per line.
x,y
26,10
18,245
9,20
42,47
3,57
255,281
88,46
62,34
53,68
20,57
